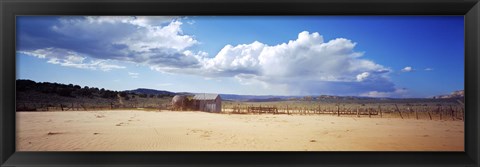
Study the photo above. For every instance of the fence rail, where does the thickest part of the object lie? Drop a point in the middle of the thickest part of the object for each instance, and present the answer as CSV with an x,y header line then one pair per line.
x,y
447,112
84,107
444,112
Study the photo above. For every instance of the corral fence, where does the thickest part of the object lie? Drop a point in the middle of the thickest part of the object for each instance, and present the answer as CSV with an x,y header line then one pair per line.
x,y
85,107
261,109
444,112
438,112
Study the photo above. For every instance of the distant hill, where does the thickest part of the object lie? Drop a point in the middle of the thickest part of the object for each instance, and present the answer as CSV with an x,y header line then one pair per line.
x,y
31,95
266,98
151,92
236,97
31,91
454,95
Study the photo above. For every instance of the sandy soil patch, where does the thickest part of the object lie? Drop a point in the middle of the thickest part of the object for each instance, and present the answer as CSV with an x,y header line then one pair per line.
x,y
200,131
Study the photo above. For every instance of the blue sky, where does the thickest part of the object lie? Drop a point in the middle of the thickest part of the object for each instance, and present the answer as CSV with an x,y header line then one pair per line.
x,y
377,56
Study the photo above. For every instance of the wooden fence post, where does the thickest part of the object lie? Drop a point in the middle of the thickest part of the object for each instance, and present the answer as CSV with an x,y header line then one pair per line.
x,y
412,110
380,111
357,112
463,114
259,112
452,113
238,108
399,111
369,114
408,112
338,111
429,115
440,111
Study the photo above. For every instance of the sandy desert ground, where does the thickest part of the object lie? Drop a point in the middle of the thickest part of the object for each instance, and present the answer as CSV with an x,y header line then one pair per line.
x,y
131,130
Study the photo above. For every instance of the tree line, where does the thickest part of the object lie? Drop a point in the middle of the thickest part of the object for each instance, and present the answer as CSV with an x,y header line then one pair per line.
x,y
74,91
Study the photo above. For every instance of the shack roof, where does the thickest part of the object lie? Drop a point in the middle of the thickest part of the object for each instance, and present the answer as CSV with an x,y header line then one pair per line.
x,y
205,96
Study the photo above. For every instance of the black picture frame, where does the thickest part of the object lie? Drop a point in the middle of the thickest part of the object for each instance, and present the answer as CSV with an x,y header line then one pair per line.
x,y
11,8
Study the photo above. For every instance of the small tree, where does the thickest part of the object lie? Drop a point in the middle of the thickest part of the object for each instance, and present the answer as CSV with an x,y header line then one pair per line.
x,y
67,92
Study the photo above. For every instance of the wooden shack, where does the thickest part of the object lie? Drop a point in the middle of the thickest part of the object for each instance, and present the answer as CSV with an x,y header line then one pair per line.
x,y
208,102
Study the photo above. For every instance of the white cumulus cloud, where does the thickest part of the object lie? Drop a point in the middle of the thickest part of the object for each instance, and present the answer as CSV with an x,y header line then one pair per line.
x,y
362,76
146,40
399,92
133,74
307,64
407,69
70,58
